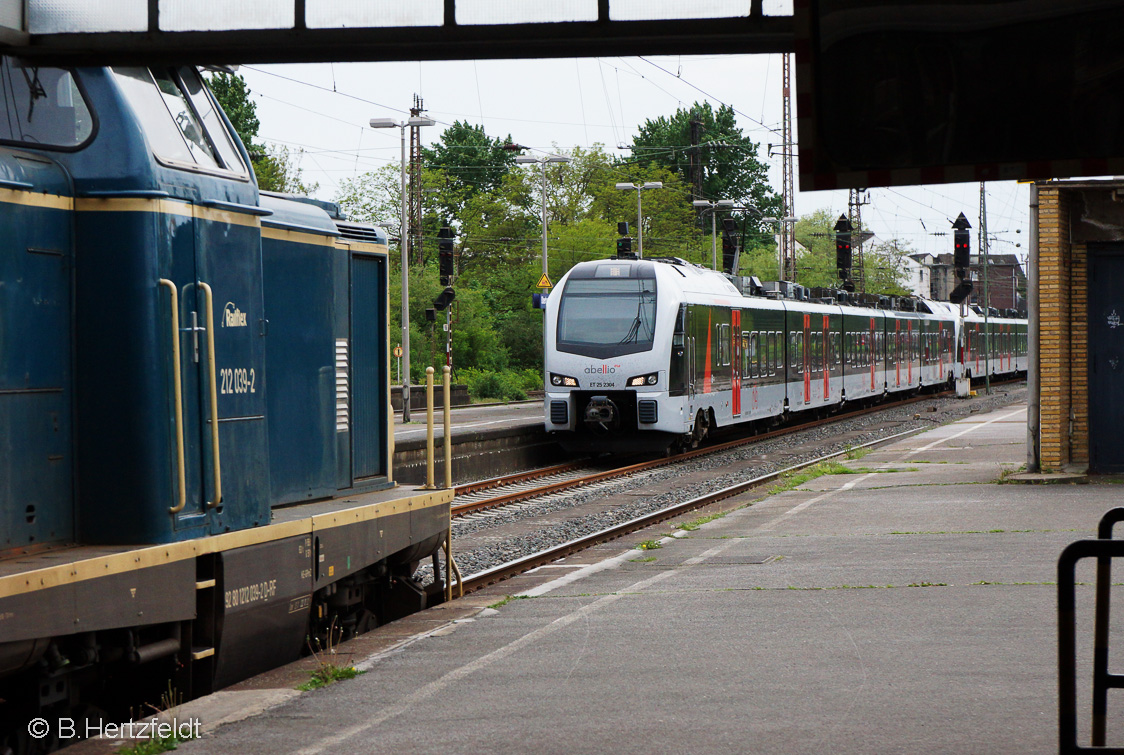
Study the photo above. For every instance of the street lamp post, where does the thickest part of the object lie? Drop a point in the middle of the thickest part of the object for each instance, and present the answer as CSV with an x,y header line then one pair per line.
x,y
404,246
639,218
713,207
543,161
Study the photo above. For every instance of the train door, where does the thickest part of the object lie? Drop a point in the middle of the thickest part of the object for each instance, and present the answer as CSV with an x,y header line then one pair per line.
x,y
1106,357
912,350
825,359
806,336
736,362
225,366
368,366
873,354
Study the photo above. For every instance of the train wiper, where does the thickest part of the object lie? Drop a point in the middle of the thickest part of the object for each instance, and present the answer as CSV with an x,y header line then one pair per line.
x,y
637,323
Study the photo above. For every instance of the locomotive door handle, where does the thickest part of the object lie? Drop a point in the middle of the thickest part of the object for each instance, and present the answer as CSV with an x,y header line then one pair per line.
x,y
213,379
181,466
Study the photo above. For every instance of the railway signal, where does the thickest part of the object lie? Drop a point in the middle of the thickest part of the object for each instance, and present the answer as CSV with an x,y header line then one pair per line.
x,y
843,230
445,298
446,266
624,243
961,259
729,246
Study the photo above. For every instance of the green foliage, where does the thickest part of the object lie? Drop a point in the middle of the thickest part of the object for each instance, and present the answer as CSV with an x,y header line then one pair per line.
x,y
153,746
505,385
729,165
472,164
883,263
274,166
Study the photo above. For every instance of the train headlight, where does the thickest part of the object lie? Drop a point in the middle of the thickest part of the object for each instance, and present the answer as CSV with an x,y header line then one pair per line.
x,y
639,380
563,380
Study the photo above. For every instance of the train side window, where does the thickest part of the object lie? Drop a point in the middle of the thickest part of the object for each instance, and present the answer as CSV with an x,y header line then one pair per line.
x,y
212,120
835,358
723,345
44,106
177,133
771,353
751,357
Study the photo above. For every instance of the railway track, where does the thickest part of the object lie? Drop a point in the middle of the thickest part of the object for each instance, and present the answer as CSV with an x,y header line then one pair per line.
x,y
508,490
504,491
506,571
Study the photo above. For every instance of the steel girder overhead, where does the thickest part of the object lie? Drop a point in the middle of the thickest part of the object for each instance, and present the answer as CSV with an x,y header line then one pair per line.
x,y
259,31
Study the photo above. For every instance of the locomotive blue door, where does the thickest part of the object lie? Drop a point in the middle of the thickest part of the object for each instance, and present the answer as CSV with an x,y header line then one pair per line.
x,y
1106,357
216,269
227,352
369,366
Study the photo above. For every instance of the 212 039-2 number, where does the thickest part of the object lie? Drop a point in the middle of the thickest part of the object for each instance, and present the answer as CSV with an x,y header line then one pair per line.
x,y
237,380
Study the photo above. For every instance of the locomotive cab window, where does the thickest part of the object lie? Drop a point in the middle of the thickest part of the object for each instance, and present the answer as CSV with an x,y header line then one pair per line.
x,y
182,125
44,106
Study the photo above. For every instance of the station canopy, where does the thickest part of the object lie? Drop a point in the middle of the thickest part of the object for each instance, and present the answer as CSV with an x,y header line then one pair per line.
x,y
888,92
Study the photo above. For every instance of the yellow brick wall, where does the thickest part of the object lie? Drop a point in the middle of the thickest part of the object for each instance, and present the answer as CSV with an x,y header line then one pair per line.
x,y
1056,318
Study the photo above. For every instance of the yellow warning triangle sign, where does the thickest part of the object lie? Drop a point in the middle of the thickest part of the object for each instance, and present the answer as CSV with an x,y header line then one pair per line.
x,y
544,282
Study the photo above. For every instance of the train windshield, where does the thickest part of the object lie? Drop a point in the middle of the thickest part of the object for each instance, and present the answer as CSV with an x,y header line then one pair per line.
x,y
607,316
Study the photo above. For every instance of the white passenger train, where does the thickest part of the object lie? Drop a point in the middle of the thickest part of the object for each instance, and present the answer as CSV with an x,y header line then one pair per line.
x,y
643,354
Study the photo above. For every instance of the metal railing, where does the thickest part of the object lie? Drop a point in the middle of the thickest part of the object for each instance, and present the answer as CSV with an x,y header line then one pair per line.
x,y
1104,549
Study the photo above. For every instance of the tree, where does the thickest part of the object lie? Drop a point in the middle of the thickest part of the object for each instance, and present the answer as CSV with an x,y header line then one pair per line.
x,y
471,163
727,159
274,166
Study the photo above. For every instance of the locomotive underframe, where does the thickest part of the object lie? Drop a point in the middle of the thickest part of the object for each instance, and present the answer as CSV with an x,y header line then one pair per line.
x,y
124,629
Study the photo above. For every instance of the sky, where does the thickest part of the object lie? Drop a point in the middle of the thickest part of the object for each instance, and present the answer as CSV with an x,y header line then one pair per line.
x,y
324,110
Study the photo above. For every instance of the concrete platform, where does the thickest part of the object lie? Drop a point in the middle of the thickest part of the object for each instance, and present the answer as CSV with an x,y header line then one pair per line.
x,y
489,440
906,607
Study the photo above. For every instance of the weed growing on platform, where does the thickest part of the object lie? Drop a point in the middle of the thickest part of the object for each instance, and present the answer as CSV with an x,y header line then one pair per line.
x,y
649,545
153,746
793,480
327,670
507,599
647,560
170,699
856,453
692,526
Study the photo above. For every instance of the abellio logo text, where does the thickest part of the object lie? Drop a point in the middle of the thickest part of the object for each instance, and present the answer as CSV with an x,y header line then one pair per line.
x,y
602,369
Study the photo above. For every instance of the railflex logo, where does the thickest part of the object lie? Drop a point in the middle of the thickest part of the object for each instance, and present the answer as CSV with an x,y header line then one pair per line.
x,y
232,317
602,369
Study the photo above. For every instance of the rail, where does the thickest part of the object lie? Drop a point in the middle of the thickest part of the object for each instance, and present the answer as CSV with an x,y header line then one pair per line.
x,y
477,581
523,494
1104,549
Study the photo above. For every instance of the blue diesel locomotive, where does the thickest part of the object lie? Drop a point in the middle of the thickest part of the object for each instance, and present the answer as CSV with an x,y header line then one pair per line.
x,y
195,426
